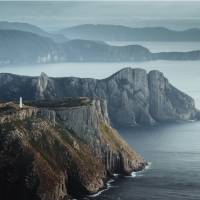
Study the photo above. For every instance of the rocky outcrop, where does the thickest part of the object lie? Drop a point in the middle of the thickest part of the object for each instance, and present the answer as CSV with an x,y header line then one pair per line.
x,y
41,85
56,151
133,95
88,121
166,102
128,92
11,112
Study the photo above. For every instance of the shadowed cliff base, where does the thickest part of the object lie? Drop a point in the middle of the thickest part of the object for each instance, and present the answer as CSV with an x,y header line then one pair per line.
x,y
58,152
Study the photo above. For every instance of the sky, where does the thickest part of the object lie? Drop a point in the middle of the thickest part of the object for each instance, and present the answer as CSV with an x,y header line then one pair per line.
x,y
56,15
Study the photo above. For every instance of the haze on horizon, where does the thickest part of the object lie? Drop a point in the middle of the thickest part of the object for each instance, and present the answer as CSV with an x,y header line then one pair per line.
x,y
56,15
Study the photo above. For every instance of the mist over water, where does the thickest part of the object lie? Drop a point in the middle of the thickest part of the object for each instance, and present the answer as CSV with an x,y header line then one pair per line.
x,y
156,47
56,15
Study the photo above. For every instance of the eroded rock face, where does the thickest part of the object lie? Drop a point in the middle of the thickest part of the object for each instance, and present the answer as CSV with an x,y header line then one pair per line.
x,y
91,123
133,95
168,103
128,96
57,152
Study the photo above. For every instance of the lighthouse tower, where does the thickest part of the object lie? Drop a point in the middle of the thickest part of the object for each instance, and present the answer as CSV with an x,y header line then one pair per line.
x,y
20,102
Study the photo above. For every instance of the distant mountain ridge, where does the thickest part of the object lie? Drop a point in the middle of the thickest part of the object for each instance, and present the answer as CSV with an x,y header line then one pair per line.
x,y
24,47
21,47
4,25
124,33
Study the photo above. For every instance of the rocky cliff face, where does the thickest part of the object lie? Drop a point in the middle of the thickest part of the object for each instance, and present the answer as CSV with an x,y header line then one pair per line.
x,y
54,151
133,95
166,102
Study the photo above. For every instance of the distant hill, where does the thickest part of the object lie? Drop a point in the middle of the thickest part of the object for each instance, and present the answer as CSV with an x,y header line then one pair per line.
x,y
20,47
24,47
31,28
124,33
92,51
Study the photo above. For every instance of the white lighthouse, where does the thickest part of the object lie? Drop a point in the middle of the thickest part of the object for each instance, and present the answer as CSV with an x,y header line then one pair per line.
x,y
20,102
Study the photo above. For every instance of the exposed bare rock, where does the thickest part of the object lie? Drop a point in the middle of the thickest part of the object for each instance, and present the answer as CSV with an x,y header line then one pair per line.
x,y
128,92
42,84
168,103
133,95
51,150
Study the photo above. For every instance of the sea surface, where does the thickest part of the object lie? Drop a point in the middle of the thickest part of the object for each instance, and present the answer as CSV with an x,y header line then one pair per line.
x,y
174,173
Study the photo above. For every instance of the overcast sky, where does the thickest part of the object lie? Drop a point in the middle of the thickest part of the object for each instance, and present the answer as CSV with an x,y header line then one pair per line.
x,y
56,15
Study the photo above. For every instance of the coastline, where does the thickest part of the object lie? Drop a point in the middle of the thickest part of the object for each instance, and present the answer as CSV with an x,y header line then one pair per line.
x,y
108,183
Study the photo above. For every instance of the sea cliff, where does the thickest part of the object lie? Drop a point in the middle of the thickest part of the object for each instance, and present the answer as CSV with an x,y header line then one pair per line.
x,y
134,97
63,149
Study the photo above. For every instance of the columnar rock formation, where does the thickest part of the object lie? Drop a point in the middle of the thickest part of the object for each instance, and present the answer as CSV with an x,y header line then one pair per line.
x,y
168,103
56,150
133,95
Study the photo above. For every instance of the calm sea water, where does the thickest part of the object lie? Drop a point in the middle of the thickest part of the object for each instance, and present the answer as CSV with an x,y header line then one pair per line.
x,y
174,153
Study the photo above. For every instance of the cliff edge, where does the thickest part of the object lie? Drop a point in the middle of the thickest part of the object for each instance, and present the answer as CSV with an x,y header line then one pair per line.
x,y
133,95
63,149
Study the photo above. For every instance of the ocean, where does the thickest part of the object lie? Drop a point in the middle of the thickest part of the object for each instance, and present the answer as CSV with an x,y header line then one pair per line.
x,y
173,151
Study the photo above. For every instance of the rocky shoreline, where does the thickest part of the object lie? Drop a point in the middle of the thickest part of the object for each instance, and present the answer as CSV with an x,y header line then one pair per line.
x,y
109,182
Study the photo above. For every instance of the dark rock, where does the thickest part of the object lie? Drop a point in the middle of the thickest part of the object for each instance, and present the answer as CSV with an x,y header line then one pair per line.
x,y
54,150
133,96
168,103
